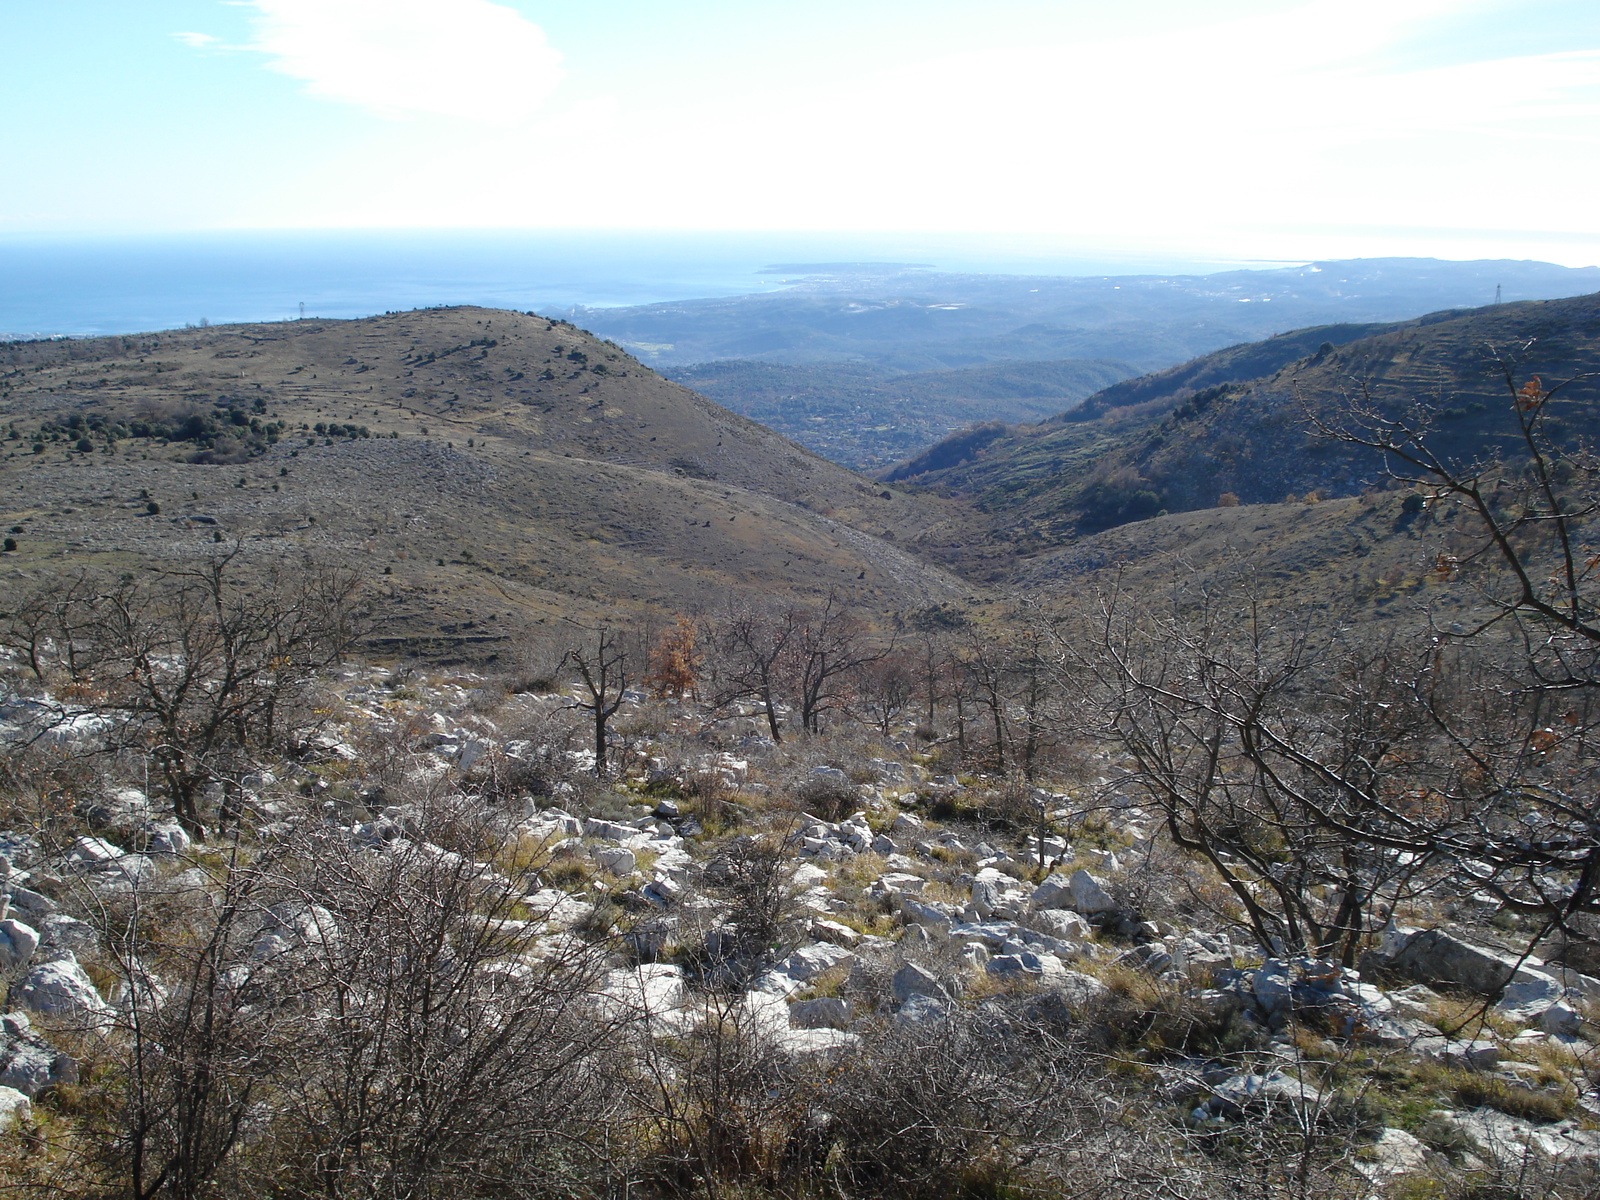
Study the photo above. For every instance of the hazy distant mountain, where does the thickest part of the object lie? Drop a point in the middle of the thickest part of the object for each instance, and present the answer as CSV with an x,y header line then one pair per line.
x,y
1239,422
912,320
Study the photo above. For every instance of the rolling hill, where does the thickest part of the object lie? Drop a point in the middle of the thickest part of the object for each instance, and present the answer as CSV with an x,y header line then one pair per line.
x,y
493,469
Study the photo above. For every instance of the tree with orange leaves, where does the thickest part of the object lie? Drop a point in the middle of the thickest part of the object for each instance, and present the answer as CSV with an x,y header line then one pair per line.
x,y
674,662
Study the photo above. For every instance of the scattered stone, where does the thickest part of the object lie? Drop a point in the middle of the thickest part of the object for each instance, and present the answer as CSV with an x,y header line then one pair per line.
x,y
824,930
1060,923
1393,1155
930,916
1560,1019
823,1043
13,1105
1151,957
1027,965
94,852
903,885
830,1012
31,905
1055,892
1507,1140
167,837
808,962
618,860
19,849
663,893
650,990
913,980
59,932
1245,1093
1417,1001
992,934
922,1009
608,831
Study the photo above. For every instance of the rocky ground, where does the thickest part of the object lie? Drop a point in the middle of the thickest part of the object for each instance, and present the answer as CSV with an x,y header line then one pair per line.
x,y
813,897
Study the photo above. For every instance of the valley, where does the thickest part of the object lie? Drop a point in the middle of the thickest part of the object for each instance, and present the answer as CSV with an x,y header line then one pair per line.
x,y
1140,785
858,361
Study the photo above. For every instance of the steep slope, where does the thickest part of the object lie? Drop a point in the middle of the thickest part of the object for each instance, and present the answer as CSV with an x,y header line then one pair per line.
x,y
864,417
1181,440
495,468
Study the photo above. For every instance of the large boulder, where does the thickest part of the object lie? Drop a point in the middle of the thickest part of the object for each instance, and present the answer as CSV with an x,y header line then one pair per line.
x,y
1433,956
1060,923
60,989
28,1063
913,980
1089,895
829,1012
1026,965
17,944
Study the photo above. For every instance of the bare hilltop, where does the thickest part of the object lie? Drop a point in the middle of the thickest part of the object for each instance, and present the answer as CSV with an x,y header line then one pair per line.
x,y
494,468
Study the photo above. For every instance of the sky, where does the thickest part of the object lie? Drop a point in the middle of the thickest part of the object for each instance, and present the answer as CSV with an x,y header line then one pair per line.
x,y
1256,128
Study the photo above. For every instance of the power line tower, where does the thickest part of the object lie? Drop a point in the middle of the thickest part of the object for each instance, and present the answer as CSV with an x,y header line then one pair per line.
x,y
1496,297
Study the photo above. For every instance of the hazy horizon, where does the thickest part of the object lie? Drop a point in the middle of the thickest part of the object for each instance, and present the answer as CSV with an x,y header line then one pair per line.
x,y
85,285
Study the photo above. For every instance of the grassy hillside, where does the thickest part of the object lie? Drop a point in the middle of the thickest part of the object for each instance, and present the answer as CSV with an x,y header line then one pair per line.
x,y
492,468
864,416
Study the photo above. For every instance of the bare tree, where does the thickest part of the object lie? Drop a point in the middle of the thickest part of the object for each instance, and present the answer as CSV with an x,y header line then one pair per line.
x,y
203,669
602,663
1324,772
831,646
887,688
755,649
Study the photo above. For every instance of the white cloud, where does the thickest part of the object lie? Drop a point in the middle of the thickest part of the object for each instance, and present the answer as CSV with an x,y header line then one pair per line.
x,y
199,41
459,58
1321,114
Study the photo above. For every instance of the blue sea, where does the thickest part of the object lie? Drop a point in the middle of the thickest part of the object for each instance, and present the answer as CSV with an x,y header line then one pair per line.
x,y
53,285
